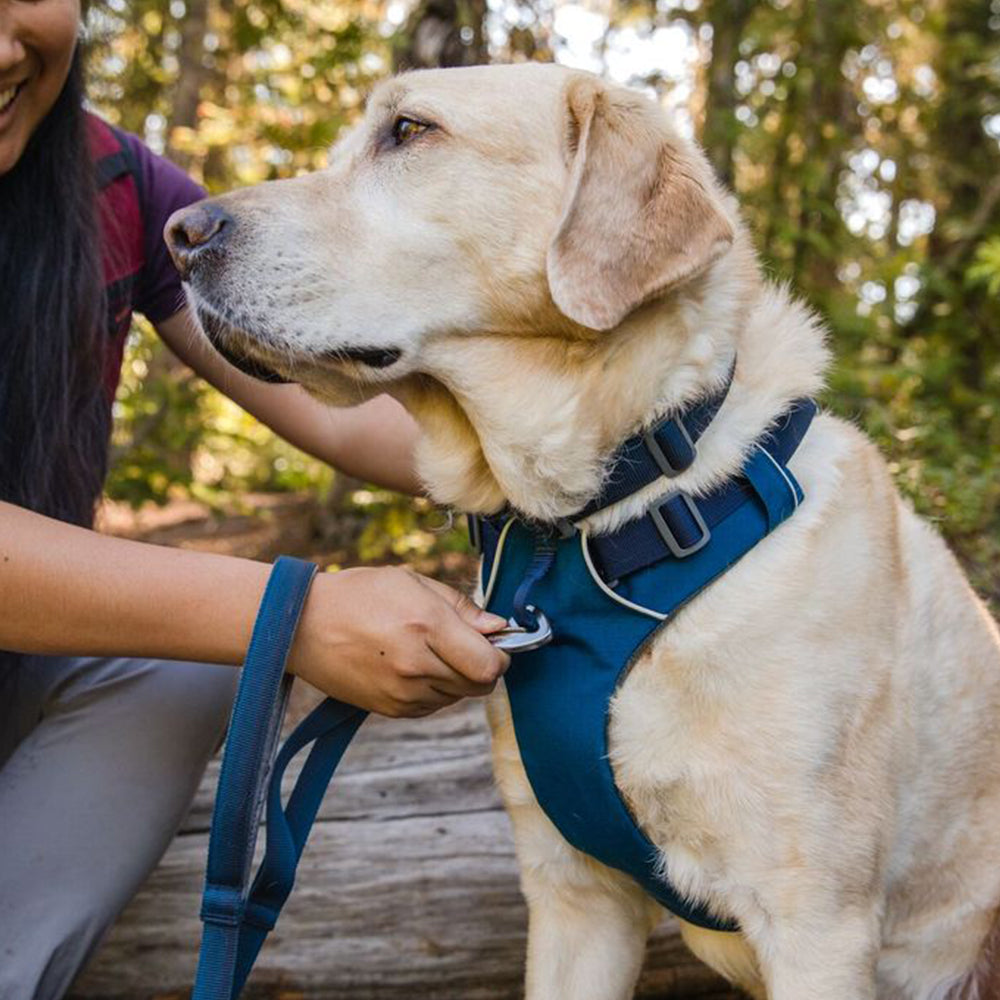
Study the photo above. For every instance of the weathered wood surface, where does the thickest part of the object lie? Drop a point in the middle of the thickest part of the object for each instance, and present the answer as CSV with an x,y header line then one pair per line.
x,y
408,889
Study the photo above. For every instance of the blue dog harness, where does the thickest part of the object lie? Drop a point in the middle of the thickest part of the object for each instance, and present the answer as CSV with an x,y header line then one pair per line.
x,y
605,596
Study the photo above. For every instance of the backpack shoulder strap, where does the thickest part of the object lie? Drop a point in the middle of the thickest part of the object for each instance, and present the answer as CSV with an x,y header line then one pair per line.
x,y
119,208
112,154
119,194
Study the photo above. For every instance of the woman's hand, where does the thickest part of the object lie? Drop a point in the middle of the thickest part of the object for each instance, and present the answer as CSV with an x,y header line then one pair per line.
x,y
394,642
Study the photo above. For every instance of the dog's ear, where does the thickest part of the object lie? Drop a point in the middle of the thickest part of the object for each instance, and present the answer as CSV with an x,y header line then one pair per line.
x,y
639,215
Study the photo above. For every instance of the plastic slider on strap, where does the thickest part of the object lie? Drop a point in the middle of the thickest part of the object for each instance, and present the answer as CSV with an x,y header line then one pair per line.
x,y
680,524
222,905
671,447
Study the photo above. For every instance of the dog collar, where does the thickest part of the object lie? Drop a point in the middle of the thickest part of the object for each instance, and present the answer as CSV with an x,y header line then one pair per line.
x,y
666,449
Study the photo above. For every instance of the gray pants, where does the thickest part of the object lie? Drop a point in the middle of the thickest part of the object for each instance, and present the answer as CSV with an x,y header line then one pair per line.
x,y
99,759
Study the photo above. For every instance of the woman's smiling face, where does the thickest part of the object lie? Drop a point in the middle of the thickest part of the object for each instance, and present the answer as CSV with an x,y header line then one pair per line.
x,y
37,41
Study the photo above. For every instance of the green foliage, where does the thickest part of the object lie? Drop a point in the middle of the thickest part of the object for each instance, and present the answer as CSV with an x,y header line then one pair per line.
x,y
405,531
986,267
175,436
158,423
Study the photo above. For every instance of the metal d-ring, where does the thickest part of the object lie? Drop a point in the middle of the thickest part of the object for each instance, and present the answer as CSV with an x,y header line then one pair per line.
x,y
517,638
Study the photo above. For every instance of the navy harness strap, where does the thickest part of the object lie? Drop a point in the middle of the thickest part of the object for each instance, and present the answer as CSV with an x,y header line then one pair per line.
x,y
666,450
238,917
541,563
679,524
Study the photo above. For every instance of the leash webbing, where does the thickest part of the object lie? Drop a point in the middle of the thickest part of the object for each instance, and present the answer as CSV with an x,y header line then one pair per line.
x,y
238,916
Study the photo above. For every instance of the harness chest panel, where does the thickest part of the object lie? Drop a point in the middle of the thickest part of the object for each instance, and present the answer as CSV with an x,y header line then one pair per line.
x,y
560,693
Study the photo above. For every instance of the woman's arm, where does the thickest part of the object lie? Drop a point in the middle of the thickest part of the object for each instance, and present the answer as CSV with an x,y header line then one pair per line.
x,y
374,441
384,639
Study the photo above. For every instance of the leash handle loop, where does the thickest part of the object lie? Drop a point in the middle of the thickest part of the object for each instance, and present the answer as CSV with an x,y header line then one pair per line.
x,y
238,917
330,727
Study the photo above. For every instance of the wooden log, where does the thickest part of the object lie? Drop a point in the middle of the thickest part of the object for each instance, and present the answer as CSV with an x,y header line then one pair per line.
x,y
408,889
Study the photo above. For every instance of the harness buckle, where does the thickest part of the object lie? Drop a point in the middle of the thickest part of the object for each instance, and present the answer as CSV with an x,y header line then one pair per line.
x,y
659,457
677,549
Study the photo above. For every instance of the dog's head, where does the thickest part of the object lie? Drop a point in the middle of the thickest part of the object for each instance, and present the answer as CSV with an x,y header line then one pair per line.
x,y
518,200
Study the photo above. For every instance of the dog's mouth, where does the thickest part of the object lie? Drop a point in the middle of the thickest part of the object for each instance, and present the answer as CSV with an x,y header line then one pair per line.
x,y
244,350
373,357
226,339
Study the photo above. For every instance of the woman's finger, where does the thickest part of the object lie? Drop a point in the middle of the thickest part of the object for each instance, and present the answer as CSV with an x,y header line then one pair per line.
x,y
467,609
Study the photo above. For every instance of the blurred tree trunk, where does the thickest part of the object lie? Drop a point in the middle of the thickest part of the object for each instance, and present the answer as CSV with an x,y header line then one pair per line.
x,y
728,19
968,156
334,522
827,129
780,170
192,74
441,33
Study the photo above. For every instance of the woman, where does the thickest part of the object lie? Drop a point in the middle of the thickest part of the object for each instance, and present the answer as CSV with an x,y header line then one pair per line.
x,y
111,704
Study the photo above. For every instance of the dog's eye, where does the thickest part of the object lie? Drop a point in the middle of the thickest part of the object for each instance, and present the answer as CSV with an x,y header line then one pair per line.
x,y
406,128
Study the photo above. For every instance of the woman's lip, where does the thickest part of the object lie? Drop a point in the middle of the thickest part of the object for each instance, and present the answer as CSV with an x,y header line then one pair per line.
x,y
18,88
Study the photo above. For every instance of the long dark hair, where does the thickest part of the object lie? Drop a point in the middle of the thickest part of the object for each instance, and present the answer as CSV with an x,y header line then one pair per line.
x,y
54,412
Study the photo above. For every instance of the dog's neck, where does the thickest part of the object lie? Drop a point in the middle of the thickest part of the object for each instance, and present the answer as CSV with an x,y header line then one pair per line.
x,y
533,421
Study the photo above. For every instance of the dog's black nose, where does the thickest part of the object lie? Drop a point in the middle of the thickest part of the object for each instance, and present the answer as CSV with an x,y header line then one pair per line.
x,y
193,232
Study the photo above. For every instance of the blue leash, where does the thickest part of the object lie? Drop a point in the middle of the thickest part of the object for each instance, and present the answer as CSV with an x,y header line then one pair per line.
x,y
239,915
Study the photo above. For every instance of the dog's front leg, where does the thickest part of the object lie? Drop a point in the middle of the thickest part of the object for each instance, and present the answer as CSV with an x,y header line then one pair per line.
x,y
586,938
587,924
828,958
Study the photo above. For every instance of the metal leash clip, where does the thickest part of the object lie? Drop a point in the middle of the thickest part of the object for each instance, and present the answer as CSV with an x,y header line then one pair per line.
x,y
517,638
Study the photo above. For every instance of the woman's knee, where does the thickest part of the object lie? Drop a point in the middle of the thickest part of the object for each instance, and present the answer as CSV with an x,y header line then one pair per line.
x,y
91,798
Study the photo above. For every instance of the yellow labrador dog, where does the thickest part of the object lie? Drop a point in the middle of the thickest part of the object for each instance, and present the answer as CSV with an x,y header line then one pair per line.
x,y
538,265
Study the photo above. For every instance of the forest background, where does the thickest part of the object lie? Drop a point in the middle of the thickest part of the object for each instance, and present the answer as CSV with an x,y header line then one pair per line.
x,y
861,136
